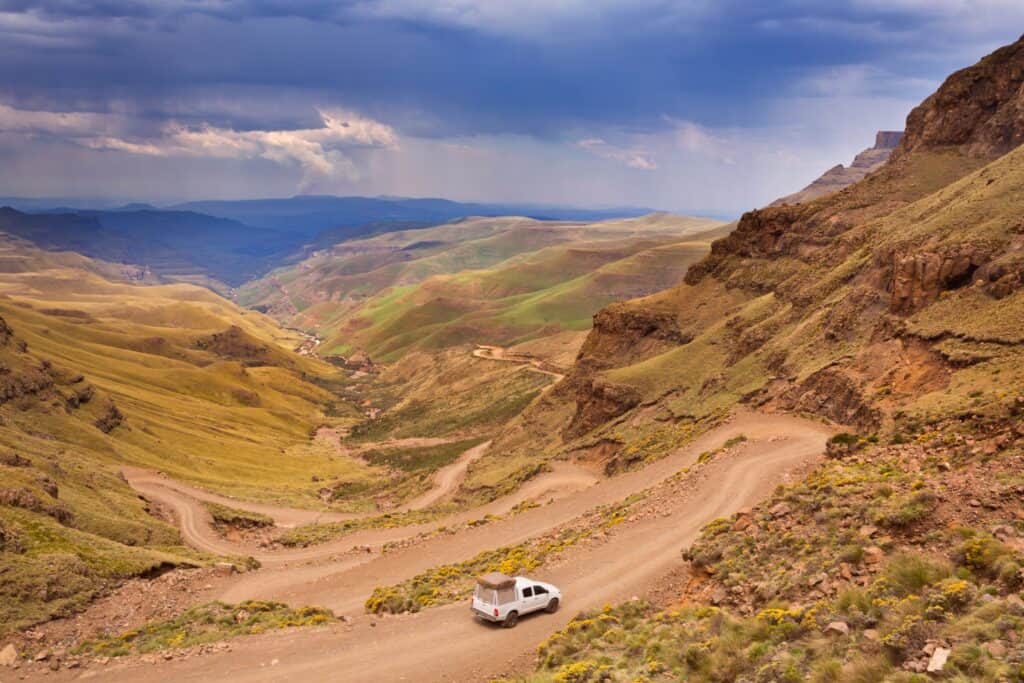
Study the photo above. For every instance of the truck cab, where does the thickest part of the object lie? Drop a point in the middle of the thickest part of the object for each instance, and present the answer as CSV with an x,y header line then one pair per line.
x,y
503,599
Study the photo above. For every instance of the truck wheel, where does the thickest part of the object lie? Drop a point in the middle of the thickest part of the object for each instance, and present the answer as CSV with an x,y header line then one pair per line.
x,y
552,606
510,620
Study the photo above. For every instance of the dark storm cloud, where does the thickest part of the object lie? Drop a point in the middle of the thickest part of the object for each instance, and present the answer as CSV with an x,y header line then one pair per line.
x,y
622,63
613,71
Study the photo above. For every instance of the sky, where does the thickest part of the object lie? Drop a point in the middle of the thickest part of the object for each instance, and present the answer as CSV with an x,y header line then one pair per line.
x,y
699,106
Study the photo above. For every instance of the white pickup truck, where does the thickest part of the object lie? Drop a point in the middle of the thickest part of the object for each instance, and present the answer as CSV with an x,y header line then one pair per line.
x,y
503,599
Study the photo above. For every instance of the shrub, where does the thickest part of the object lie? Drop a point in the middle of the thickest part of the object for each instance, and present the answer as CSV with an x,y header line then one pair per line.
x,y
852,553
908,574
906,511
827,671
224,516
206,624
991,558
866,670
843,444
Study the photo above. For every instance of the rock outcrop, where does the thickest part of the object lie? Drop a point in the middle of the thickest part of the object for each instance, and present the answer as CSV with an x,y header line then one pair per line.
x,y
918,279
979,109
844,271
599,402
839,176
833,394
623,331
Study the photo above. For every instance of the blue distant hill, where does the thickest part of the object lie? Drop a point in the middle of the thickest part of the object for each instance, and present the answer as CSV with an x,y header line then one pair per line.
x,y
234,241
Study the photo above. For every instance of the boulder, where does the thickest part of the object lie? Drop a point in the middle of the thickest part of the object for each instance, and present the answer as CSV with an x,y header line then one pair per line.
x,y
938,661
837,628
224,568
8,656
873,555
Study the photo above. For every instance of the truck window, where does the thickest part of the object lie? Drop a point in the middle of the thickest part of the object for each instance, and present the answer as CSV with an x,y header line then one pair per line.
x,y
539,590
486,595
527,592
506,595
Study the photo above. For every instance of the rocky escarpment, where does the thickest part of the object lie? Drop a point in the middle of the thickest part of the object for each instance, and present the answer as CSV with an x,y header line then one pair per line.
x,y
602,402
621,333
915,279
627,332
979,109
839,176
839,273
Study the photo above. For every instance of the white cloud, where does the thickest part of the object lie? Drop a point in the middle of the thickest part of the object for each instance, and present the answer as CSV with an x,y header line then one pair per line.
x,y
318,151
72,124
631,157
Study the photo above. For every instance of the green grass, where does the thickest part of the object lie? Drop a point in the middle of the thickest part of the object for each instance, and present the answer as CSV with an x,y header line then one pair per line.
x,y
209,623
48,570
224,516
915,597
315,534
232,413
454,396
494,281
414,460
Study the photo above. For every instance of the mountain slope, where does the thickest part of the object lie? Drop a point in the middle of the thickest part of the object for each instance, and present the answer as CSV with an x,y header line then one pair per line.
x,y
894,307
495,281
819,282
838,177
346,217
98,374
222,244
858,306
173,245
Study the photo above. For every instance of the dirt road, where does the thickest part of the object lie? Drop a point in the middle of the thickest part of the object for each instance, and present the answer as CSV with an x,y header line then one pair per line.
x,y
194,521
445,643
448,478
499,353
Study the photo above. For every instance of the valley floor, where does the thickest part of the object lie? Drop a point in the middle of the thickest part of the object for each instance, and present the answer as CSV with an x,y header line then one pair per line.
x,y
444,643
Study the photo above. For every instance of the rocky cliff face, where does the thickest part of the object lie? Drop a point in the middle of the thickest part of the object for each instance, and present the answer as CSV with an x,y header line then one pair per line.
x,y
838,275
979,109
839,176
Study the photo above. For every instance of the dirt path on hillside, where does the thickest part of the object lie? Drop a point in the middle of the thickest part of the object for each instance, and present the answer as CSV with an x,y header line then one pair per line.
x,y
195,523
502,354
630,561
447,479
149,483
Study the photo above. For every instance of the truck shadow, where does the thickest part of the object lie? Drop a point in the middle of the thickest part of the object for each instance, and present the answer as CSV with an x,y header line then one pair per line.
x,y
497,625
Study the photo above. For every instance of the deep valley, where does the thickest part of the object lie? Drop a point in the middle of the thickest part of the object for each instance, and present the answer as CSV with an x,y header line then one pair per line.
x,y
280,439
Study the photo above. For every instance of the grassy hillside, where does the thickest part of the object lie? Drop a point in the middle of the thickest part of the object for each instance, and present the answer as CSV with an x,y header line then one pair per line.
x,y
98,374
893,307
497,281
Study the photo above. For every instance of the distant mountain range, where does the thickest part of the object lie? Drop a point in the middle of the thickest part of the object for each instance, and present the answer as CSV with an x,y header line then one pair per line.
x,y
312,214
222,242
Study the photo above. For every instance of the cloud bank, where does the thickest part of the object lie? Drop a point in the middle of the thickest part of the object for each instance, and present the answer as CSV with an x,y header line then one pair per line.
x,y
317,151
694,105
